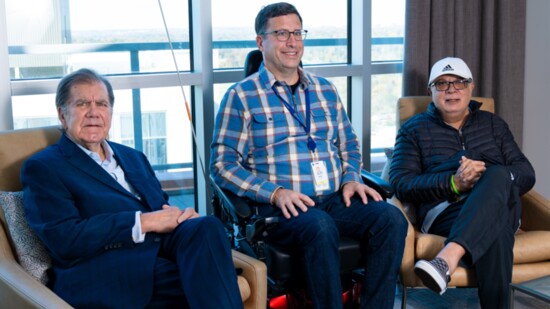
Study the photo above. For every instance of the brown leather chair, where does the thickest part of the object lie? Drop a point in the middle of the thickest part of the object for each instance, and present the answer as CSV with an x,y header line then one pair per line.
x,y
19,290
532,245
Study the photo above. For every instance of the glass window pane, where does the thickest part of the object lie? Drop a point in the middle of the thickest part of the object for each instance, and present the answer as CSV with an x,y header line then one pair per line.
x,y
325,20
59,36
386,90
164,116
388,29
32,111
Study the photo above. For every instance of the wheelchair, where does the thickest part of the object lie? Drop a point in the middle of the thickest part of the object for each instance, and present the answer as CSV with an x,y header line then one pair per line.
x,y
246,231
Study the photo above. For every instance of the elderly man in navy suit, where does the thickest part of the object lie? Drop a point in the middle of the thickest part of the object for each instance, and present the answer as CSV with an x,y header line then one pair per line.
x,y
114,240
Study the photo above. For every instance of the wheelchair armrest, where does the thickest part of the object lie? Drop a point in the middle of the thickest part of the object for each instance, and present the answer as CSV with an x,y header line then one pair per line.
x,y
239,209
237,206
382,186
260,228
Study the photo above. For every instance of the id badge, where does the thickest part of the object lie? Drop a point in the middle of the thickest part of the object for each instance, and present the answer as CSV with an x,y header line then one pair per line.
x,y
320,175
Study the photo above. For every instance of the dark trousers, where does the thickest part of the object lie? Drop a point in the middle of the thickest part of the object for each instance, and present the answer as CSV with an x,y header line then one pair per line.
x,y
485,225
195,268
316,235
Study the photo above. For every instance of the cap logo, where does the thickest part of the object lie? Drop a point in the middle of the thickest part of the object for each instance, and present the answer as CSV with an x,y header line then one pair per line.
x,y
448,67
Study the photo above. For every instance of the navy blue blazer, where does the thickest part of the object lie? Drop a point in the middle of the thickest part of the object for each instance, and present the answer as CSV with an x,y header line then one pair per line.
x,y
85,219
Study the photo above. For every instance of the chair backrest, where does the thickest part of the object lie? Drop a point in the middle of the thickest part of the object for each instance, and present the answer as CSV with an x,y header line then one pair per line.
x,y
412,105
252,62
16,146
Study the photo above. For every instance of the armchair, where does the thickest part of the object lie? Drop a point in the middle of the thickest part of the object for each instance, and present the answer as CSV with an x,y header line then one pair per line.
x,y
18,289
532,245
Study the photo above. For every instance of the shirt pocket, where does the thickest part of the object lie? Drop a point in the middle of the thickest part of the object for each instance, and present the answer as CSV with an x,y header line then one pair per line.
x,y
324,122
268,128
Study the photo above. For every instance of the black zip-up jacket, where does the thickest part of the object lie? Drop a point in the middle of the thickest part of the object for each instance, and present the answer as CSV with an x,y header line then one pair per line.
x,y
428,151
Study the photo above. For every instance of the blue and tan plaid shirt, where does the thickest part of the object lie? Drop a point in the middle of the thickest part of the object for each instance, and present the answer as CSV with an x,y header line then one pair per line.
x,y
259,146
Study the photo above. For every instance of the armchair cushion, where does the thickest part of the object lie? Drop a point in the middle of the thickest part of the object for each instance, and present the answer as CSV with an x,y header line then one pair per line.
x,y
530,247
30,251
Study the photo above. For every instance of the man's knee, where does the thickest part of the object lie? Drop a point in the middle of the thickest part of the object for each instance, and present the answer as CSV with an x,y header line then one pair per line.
x,y
498,174
204,226
319,226
211,223
393,219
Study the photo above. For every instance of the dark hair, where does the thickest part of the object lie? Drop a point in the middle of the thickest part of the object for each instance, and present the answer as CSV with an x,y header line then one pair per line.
x,y
273,10
82,76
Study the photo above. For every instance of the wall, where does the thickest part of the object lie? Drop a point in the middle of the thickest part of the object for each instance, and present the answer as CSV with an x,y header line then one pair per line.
x,y
536,130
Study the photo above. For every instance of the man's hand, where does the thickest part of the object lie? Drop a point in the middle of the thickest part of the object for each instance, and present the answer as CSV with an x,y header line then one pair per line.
x,y
468,174
288,201
166,219
352,188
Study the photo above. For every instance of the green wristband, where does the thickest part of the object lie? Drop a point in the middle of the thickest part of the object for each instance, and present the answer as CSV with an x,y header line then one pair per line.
x,y
455,189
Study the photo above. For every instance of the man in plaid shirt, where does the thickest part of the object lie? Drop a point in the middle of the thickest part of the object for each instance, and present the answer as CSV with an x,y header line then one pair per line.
x,y
282,139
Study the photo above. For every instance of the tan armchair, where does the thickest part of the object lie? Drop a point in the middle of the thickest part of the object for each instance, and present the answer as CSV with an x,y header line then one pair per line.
x,y
532,245
20,290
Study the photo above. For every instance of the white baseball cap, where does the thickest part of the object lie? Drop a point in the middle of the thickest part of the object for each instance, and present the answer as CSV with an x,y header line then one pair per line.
x,y
449,65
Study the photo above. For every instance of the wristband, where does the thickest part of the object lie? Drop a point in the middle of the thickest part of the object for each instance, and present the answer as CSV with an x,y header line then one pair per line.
x,y
455,189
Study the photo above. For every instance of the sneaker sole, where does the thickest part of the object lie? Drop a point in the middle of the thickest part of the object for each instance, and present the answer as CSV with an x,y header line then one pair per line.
x,y
430,277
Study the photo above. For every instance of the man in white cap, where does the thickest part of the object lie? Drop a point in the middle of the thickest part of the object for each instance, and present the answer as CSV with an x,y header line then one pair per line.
x,y
464,173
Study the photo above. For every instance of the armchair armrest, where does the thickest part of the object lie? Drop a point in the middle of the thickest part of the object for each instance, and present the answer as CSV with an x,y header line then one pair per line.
x,y
535,212
255,273
407,276
19,290
382,186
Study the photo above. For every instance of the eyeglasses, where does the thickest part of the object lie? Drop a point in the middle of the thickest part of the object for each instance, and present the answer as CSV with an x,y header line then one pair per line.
x,y
460,84
284,35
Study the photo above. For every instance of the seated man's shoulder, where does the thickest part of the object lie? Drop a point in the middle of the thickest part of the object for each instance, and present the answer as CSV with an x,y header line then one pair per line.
x,y
47,153
317,79
416,121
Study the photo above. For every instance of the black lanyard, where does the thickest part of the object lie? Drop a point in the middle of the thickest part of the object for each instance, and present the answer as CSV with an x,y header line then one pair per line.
x,y
311,145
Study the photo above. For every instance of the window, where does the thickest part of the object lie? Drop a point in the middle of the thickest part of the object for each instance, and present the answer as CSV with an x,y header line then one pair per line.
x,y
154,135
233,37
388,30
131,47
59,36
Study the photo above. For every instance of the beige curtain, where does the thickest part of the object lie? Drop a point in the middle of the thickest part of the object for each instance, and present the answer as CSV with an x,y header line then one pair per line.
x,y
488,34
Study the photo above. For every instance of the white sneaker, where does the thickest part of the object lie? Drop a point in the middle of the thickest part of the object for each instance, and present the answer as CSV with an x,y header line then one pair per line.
x,y
434,274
